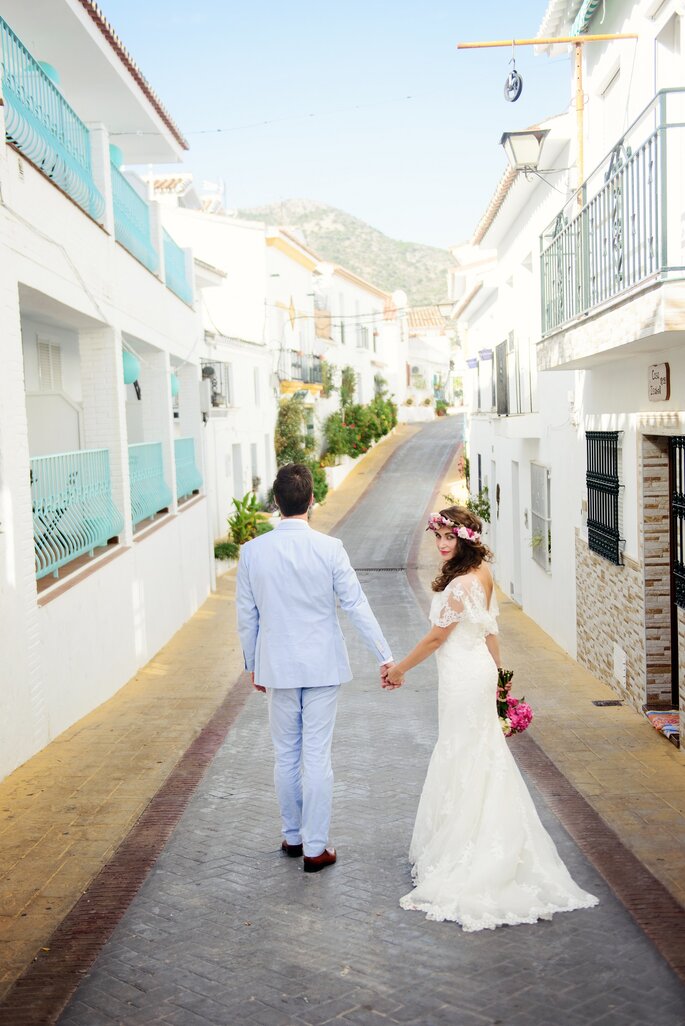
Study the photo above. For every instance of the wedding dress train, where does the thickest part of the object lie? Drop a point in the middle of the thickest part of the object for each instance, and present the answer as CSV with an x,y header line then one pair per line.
x,y
480,855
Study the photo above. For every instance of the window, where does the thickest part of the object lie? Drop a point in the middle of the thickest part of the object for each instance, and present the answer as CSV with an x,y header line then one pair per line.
x,y
541,522
237,460
257,387
362,336
603,490
49,366
220,376
502,380
254,466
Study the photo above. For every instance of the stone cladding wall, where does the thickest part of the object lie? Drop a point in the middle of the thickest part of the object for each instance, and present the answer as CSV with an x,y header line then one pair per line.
x,y
610,610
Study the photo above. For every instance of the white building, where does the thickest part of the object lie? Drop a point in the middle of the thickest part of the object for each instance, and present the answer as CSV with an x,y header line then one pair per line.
x,y
238,362
278,322
431,356
605,270
104,541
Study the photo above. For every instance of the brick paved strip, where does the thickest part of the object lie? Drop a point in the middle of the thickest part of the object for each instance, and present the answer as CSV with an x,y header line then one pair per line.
x,y
650,904
43,990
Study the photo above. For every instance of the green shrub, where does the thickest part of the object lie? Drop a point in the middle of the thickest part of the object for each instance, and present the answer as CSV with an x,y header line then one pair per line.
x,y
263,527
327,386
320,482
440,407
480,505
348,384
244,521
290,441
226,550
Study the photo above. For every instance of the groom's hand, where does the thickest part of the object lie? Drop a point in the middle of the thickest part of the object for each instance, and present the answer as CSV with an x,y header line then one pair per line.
x,y
257,687
387,681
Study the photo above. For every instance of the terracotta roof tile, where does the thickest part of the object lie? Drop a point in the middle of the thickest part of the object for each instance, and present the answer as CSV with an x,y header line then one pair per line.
x,y
112,38
425,317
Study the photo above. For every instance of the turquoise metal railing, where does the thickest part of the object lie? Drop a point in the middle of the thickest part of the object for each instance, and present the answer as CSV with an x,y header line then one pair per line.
x,y
149,491
188,477
132,221
627,228
175,270
40,123
73,509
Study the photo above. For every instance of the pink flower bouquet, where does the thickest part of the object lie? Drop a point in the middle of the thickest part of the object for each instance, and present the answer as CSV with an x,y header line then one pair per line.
x,y
515,715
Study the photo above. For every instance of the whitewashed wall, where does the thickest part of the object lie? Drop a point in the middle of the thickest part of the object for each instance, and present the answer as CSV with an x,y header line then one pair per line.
x,y
71,283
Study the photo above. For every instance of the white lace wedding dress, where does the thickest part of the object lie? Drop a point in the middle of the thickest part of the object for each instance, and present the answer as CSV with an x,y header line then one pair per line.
x,y
480,855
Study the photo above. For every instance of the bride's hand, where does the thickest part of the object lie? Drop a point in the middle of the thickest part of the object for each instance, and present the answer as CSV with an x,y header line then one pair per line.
x,y
392,678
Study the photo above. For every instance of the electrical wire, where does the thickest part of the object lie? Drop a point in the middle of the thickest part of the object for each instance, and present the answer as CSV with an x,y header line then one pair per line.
x,y
279,121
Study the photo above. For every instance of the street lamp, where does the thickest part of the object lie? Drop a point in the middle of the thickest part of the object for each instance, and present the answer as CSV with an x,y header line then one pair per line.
x,y
523,149
446,308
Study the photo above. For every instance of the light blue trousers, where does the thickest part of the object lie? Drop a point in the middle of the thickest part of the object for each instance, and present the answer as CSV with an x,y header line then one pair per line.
x,y
302,722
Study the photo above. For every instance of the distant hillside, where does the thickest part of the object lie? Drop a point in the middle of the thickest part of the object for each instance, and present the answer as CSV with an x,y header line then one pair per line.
x,y
343,239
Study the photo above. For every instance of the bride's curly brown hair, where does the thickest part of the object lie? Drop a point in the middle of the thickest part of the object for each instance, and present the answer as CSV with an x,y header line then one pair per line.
x,y
468,554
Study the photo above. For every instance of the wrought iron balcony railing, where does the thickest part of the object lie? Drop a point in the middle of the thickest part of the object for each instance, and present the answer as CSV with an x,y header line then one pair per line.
x,y
132,221
188,477
42,125
73,509
150,494
627,229
305,367
175,270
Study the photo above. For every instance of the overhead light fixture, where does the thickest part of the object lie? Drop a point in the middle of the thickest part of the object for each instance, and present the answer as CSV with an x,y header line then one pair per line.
x,y
524,149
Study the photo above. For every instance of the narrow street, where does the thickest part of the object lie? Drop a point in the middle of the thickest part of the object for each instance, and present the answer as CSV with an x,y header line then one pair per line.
x,y
227,931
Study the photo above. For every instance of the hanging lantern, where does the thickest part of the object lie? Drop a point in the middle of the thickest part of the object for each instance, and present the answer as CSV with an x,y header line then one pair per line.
x,y
175,385
131,367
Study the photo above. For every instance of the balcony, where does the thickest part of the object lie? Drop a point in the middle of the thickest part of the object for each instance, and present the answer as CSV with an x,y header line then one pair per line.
x,y
73,509
42,125
623,237
306,368
300,373
150,493
175,270
188,477
132,223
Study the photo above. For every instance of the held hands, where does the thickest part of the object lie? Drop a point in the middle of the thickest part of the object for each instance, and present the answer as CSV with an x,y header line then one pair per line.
x,y
257,687
391,678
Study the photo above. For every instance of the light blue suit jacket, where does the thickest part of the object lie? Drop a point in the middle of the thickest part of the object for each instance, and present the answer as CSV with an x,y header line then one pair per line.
x,y
288,582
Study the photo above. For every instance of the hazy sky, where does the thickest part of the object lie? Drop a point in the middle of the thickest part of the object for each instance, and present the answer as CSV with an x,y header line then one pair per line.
x,y
420,169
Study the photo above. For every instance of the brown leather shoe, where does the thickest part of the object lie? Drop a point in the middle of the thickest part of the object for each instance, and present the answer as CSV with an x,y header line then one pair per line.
x,y
314,863
293,851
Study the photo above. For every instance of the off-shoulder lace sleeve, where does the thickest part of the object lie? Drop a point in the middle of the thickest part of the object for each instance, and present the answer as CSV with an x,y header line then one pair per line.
x,y
493,610
450,608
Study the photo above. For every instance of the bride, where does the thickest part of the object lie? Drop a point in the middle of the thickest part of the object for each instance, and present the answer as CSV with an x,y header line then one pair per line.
x,y
480,855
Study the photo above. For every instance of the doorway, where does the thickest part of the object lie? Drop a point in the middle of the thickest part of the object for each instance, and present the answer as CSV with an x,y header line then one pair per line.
x,y
663,469
676,446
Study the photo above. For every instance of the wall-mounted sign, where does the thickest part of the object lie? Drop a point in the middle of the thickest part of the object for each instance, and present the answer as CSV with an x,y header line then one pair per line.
x,y
659,383
472,362
485,354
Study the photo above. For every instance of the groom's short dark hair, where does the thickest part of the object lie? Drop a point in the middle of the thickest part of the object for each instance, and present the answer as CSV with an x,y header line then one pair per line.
x,y
293,489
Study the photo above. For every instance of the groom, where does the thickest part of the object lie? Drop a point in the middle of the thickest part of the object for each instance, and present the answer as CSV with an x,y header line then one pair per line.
x,y
288,583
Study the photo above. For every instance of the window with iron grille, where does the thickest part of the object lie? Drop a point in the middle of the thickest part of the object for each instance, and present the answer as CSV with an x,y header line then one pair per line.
x,y
677,453
220,376
603,493
540,516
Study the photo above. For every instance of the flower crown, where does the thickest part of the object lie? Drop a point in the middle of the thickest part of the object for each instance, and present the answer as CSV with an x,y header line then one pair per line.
x,y
437,520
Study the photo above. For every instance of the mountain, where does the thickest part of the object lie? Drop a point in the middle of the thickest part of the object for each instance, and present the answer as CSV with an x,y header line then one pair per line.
x,y
343,239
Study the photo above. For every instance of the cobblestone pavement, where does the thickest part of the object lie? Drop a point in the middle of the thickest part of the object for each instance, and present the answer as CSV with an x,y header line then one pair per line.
x,y
228,931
